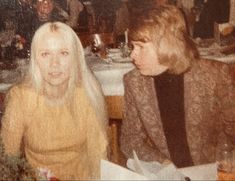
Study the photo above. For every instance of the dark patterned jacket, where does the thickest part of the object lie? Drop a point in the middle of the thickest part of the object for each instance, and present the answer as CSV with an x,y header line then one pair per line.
x,y
209,100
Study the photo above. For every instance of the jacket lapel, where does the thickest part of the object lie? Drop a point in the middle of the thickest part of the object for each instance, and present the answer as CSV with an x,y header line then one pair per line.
x,y
150,115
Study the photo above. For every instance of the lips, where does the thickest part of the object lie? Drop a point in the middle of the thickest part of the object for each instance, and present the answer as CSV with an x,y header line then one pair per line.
x,y
55,74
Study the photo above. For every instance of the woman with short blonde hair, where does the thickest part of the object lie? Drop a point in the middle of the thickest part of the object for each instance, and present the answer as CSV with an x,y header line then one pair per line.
x,y
168,32
174,102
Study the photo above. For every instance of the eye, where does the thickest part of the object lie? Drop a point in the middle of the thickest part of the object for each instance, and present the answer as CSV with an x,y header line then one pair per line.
x,y
131,47
64,52
45,54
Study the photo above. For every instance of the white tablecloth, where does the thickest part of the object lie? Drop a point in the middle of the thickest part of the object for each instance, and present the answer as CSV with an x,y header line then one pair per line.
x,y
110,75
215,55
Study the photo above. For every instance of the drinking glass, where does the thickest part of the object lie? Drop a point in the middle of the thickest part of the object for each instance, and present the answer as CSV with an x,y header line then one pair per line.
x,y
125,49
225,170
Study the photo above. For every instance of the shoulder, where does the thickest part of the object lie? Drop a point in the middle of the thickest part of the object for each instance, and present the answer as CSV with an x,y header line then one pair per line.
x,y
212,67
17,90
20,93
133,74
81,96
135,77
211,70
137,84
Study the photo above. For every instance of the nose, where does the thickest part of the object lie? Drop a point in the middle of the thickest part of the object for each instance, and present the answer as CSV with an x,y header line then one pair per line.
x,y
54,61
134,56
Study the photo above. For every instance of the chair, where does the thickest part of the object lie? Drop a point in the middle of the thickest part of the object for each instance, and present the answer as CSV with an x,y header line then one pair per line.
x,y
2,98
115,105
97,39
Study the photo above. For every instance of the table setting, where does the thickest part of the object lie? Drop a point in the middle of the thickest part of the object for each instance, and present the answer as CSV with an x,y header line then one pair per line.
x,y
109,70
12,73
210,49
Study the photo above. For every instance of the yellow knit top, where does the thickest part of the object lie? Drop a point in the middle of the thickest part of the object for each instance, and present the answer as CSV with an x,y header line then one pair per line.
x,y
65,138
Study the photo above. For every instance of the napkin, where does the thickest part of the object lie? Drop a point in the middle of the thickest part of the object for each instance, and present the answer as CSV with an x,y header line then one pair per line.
x,y
154,170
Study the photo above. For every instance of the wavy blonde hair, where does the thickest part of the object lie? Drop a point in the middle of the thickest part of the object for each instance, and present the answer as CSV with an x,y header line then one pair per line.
x,y
81,75
165,26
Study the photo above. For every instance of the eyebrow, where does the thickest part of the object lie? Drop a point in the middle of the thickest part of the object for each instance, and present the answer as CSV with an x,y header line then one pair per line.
x,y
44,49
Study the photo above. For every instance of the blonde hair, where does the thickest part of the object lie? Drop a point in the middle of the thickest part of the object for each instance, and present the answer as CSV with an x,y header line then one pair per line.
x,y
165,27
81,75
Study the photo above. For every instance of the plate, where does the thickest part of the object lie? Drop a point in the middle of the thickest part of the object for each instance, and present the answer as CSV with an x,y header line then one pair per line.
x,y
114,50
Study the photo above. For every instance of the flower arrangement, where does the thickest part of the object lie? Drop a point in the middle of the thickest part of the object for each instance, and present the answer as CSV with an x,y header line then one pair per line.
x,y
16,168
19,42
46,174
19,45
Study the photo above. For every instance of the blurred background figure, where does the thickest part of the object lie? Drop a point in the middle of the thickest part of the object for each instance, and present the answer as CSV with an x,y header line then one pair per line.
x,y
70,10
209,12
105,13
121,21
44,10
32,14
75,7
47,10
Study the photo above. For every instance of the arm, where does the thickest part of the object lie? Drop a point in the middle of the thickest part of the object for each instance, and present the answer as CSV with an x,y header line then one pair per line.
x,y
133,133
12,126
226,99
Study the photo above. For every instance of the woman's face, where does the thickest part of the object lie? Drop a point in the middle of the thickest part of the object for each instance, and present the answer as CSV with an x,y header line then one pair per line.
x,y
145,58
54,58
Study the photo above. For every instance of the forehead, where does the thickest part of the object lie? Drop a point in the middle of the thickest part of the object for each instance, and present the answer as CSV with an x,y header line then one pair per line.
x,y
54,40
141,34
146,44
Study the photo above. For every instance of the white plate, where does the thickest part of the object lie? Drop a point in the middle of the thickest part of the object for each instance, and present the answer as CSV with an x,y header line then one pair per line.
x,y
115,55
122,60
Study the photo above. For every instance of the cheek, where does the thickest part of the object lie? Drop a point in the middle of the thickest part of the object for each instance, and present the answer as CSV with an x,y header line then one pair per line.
x,y
153,54
43,66
66,67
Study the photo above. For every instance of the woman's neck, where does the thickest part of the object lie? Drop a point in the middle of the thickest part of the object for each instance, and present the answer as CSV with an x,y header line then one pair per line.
x,y
55,93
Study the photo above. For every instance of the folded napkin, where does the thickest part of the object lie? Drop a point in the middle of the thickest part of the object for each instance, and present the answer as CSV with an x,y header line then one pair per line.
x,y
155,170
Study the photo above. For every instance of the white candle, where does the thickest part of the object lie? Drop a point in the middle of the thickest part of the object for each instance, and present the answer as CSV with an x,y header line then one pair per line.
x,y
126,36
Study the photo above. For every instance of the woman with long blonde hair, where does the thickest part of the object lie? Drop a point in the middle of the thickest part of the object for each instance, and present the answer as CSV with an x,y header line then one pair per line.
x,y
57,115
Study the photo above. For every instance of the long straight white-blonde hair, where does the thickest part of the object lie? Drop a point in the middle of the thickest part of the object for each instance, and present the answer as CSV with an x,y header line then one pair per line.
x,y
80,74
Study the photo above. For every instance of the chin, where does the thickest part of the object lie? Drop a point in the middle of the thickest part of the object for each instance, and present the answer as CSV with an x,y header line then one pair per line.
x,y
148,72
57,82
145,73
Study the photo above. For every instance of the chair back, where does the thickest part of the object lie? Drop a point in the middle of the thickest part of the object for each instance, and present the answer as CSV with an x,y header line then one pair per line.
x,y
97,39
